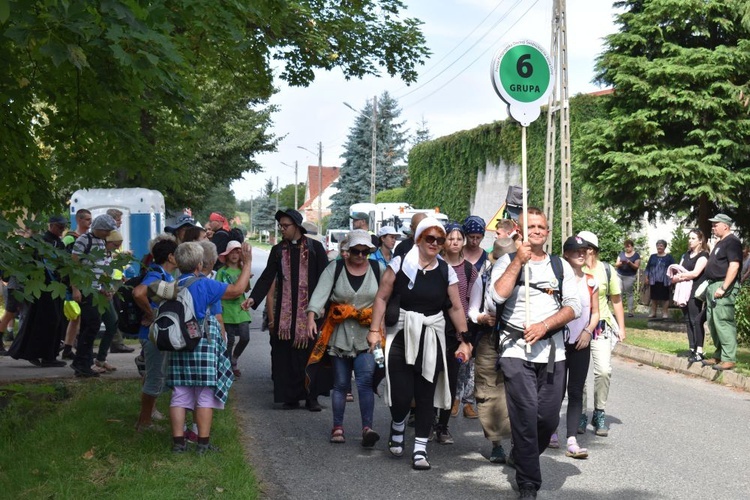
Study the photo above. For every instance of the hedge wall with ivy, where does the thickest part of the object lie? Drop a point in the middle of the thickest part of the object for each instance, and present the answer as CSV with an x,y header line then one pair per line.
x,y
443,172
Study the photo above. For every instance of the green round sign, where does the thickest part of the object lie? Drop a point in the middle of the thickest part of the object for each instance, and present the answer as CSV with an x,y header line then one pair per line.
x,y
524,73
522,76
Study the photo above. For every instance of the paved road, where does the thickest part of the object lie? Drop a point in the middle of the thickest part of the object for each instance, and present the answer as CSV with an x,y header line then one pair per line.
x,y
671,437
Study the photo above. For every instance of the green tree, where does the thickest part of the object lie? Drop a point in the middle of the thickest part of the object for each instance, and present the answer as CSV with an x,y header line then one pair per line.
x,y
220,199
264,208
675,138
422,133
286,195
355,175
169,94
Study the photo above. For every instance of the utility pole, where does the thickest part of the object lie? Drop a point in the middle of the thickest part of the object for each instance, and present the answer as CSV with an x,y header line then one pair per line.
x,y
320,187
559,102
374,147
296,204
251,215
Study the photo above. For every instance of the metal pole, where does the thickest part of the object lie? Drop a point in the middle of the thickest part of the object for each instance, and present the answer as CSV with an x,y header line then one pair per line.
x,y
374,147
320,187
525,183
296,205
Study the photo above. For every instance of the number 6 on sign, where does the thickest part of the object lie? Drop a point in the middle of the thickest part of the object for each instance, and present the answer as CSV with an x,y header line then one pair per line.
x,y
522,77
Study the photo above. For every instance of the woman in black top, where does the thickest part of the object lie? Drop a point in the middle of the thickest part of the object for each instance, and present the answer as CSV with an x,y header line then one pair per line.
x,y
694,260
415,353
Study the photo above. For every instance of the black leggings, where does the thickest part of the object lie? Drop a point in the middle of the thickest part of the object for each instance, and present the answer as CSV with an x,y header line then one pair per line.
x,y
695,316
407,383
576,368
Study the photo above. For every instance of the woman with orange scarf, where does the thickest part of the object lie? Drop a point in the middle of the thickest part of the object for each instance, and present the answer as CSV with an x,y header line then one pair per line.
x,y
343,335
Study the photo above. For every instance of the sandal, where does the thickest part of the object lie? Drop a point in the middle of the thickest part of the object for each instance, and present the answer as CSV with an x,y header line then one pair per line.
x,y
419,461
575,451
396,448
369,437
337,435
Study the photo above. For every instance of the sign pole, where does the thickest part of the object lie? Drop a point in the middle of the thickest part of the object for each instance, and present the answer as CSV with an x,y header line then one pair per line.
x,y
525,185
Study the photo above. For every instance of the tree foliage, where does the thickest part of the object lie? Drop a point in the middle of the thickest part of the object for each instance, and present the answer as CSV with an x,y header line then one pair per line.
x,y
675,136
220,199
264,208
169,94
286,195
355,175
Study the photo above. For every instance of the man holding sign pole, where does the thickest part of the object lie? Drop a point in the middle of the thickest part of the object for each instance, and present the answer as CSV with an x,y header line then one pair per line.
x,y
532,314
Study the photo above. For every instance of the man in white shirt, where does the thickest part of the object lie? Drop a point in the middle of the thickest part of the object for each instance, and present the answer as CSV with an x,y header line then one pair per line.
x,y
533,355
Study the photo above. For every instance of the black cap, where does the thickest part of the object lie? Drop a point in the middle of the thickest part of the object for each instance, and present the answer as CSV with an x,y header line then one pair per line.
x,y
575,243
292,214
58,219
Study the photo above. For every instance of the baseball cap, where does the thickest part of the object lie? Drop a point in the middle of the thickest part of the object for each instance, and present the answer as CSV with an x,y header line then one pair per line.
x,y
575,243
386,230
722,218
182,220
58,219
590,238
359,216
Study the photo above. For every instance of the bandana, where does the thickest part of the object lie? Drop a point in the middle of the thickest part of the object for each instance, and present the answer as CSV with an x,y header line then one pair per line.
x,y
454,226
474,225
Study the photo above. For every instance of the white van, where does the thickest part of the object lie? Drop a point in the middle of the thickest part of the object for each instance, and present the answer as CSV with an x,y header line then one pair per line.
x,y
333,237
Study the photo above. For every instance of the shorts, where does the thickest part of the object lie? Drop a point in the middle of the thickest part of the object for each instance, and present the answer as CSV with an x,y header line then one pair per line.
x,y
191,398
156,369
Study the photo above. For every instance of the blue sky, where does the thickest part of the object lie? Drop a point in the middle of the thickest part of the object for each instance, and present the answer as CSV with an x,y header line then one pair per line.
x,y
454,91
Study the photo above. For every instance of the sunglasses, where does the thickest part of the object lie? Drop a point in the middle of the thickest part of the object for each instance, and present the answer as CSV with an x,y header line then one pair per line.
x,y
430,239
355,252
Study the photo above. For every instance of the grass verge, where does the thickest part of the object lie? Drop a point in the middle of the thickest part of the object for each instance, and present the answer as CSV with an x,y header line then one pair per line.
x,y
675,343
75,439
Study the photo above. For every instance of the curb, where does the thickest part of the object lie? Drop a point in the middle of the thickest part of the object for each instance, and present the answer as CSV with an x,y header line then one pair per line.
x,y
681,365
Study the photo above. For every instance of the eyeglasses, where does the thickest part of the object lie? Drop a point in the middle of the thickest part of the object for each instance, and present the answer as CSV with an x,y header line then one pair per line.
x,y
430,239
285,226
355,252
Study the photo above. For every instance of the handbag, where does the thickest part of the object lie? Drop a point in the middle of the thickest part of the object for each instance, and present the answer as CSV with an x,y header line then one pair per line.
x,y
700,292
393,309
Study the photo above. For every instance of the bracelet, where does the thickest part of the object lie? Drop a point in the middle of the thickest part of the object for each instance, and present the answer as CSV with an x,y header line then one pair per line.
x,y
374,331
588,331
545,325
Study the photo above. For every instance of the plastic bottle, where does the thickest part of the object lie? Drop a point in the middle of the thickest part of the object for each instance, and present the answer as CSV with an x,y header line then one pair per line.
x,y
377,352
460,358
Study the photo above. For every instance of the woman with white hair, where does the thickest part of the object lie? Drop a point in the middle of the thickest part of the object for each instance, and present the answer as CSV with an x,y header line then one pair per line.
x,y
415,355
194,386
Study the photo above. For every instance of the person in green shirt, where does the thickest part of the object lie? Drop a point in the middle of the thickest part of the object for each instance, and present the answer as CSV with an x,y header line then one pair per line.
x,y
236,319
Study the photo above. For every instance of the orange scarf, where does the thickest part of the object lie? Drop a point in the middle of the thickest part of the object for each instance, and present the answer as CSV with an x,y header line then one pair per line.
x,y
337,313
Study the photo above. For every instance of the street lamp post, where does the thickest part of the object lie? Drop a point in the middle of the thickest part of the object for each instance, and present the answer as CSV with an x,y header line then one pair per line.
x,y
296,205
373,167
320,183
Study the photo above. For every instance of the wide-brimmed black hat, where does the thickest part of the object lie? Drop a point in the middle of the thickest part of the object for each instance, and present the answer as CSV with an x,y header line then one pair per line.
x,y
292,214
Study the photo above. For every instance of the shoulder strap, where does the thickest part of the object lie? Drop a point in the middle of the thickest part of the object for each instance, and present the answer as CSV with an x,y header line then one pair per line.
x,y
443,269
375,265
90,243
337,272
557,268
608,270
467,271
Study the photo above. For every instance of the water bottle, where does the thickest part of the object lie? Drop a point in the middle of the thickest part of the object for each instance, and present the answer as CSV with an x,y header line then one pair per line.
x,y
460,358
377,352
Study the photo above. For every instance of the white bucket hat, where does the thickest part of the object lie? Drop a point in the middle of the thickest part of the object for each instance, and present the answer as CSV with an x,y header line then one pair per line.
x,y
360,237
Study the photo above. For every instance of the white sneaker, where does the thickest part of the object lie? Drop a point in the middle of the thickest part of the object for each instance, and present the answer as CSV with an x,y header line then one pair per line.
x,y
157,415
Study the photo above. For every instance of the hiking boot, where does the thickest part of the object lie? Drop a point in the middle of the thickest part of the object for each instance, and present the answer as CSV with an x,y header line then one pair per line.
x,y
582,422
202,449
497,456
597,421
470,412
443,435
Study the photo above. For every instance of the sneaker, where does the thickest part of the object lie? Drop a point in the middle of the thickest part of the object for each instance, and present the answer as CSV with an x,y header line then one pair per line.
x,y
67,353
697,357
597,421
443,435
369,437
497,456
157,415
179,448
527,491
202,449
120,348
106,366
98,369
53,363
191,437
84,371
554,441
582,422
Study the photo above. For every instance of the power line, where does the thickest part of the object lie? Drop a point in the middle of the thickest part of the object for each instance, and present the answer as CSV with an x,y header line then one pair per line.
x,y
475,60
502,18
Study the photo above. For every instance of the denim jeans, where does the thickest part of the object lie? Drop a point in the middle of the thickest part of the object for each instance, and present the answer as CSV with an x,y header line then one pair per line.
x,y
364,368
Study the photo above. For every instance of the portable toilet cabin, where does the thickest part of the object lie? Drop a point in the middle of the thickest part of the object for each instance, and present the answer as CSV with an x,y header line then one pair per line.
x,y
142,213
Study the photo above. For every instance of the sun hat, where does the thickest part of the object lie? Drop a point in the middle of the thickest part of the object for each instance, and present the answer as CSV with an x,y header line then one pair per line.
x,y
503,246
722,218
232,245
427,223
115,235
590,238
360,237
182,221
386,230
292,214
104,223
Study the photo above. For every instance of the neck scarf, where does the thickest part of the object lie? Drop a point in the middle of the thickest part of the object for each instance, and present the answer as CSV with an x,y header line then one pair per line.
x,y
285,314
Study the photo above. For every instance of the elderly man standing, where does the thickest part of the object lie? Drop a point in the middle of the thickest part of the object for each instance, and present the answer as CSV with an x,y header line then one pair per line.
x,y
92,242
722,274
294,267
533,353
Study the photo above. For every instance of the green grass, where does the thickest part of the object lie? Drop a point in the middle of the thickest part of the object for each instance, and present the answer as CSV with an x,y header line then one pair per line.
x,y
638,334
76,440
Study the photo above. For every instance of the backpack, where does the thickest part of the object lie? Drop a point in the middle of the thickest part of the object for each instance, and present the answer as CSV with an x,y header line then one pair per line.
x,y
608,270
235,234
89,244
374,264
129,315
557,268
176,328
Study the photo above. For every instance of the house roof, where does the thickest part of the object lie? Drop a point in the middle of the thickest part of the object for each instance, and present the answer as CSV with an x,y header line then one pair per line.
x,y
329,175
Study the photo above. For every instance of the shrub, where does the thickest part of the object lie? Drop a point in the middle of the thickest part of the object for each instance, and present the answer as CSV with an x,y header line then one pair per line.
x,y
742,315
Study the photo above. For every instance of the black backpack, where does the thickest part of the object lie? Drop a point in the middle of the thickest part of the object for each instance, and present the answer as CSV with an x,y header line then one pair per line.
x,y
557,268
129,315
235,234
